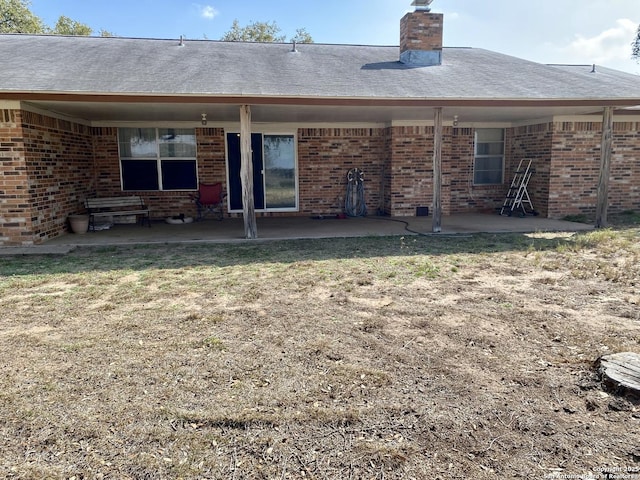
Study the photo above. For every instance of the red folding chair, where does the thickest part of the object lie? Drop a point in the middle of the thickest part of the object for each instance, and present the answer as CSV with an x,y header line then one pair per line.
x,y
209,199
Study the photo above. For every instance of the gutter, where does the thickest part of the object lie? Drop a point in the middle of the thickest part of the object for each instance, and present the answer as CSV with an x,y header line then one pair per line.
x,y
320,101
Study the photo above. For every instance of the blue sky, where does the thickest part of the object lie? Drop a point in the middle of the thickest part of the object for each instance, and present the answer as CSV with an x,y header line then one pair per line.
x,y
547,31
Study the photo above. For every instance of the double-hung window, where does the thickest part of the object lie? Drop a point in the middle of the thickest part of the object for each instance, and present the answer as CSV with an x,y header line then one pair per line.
x,y
158,159
488,168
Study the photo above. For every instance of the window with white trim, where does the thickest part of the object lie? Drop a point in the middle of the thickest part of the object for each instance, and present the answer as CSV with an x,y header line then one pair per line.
x,y
488,166
158,159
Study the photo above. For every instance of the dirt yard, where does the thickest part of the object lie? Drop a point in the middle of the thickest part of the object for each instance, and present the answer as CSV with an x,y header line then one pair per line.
x,y
378,358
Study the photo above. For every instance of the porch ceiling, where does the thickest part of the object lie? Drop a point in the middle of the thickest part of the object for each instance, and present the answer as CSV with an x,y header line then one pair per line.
x,y
102,113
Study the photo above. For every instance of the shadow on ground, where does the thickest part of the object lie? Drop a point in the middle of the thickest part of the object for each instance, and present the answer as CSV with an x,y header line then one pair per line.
x,y
175,256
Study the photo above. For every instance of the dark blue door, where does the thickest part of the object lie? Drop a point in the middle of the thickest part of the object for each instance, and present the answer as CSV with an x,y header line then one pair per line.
x,y
235,184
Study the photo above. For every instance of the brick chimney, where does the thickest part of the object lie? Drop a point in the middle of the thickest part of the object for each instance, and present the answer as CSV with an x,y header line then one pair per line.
x,y
421,36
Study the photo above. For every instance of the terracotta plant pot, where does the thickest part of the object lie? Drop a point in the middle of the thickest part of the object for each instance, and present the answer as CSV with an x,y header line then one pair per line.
x,y
79,223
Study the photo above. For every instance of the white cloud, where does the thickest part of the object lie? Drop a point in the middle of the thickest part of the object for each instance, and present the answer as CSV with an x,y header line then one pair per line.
x,y
610,45
207,12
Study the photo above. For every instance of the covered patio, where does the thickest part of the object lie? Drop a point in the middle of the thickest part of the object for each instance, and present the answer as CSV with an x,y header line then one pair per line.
x,y
231,230
281,127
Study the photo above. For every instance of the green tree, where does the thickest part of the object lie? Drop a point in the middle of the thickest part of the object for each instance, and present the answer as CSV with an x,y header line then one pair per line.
x,y
16,17
266,32
302,36
635,47
66,26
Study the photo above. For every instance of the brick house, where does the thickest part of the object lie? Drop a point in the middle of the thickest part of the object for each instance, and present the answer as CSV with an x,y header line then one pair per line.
x,y
87,116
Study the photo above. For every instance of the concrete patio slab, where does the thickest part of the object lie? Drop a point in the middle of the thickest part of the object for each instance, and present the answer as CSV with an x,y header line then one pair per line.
x,y
231,230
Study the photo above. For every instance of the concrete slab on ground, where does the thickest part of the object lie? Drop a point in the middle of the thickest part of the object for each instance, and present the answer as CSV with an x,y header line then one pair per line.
x,y
231,230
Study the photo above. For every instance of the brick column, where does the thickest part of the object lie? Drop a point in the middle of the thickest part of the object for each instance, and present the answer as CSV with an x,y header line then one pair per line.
x,y
411,169
15,208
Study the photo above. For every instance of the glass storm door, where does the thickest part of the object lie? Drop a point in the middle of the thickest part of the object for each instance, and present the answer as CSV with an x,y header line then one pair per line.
x,y
274,172
235,183
279,172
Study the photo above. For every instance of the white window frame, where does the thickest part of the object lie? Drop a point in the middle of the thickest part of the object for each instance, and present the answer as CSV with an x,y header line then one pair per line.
x,y
477,156
274,131
159,159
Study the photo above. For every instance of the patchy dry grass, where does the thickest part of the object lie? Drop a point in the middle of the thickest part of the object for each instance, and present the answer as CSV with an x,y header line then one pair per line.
x,y
412,357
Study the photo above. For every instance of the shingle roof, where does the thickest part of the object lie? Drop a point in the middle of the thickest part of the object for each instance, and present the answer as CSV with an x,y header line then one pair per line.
x,y
163,67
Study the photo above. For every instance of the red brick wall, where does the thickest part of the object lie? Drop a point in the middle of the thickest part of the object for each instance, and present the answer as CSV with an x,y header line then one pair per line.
x,y
386,173
107,162
324,158
325,155
211,155
567,166
411,169
15,207
575,168
459,170
533,142
411,185
575,165
398,162
624,189
421,30
59,158
465,197
49,174
406,163
211,169
50,166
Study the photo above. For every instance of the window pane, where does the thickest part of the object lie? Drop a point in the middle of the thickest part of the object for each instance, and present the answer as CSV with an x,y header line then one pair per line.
x,y
279,171
143,151
177,142
490,148
179,175
489,157
489,163
140,175
137,142
487,177
484,135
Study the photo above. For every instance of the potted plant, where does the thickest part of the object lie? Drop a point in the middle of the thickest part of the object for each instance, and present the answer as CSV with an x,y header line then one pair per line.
x,y
79,223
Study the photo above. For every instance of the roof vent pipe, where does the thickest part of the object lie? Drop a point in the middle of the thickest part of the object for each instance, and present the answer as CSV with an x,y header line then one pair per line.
x,y
294,49
593,69
181,44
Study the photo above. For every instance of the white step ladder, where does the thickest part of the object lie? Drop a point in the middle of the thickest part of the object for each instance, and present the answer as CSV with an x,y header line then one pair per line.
x,y
518,196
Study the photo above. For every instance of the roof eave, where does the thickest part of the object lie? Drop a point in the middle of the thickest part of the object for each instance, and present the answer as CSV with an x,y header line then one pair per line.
x,y
316,100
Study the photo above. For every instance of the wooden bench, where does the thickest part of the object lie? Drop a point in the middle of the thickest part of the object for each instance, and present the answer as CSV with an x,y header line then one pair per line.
x,y
116,207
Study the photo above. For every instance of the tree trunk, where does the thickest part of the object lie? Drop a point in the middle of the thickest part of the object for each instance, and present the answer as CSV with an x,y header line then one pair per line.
x,y
246,174
605,168
437,171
